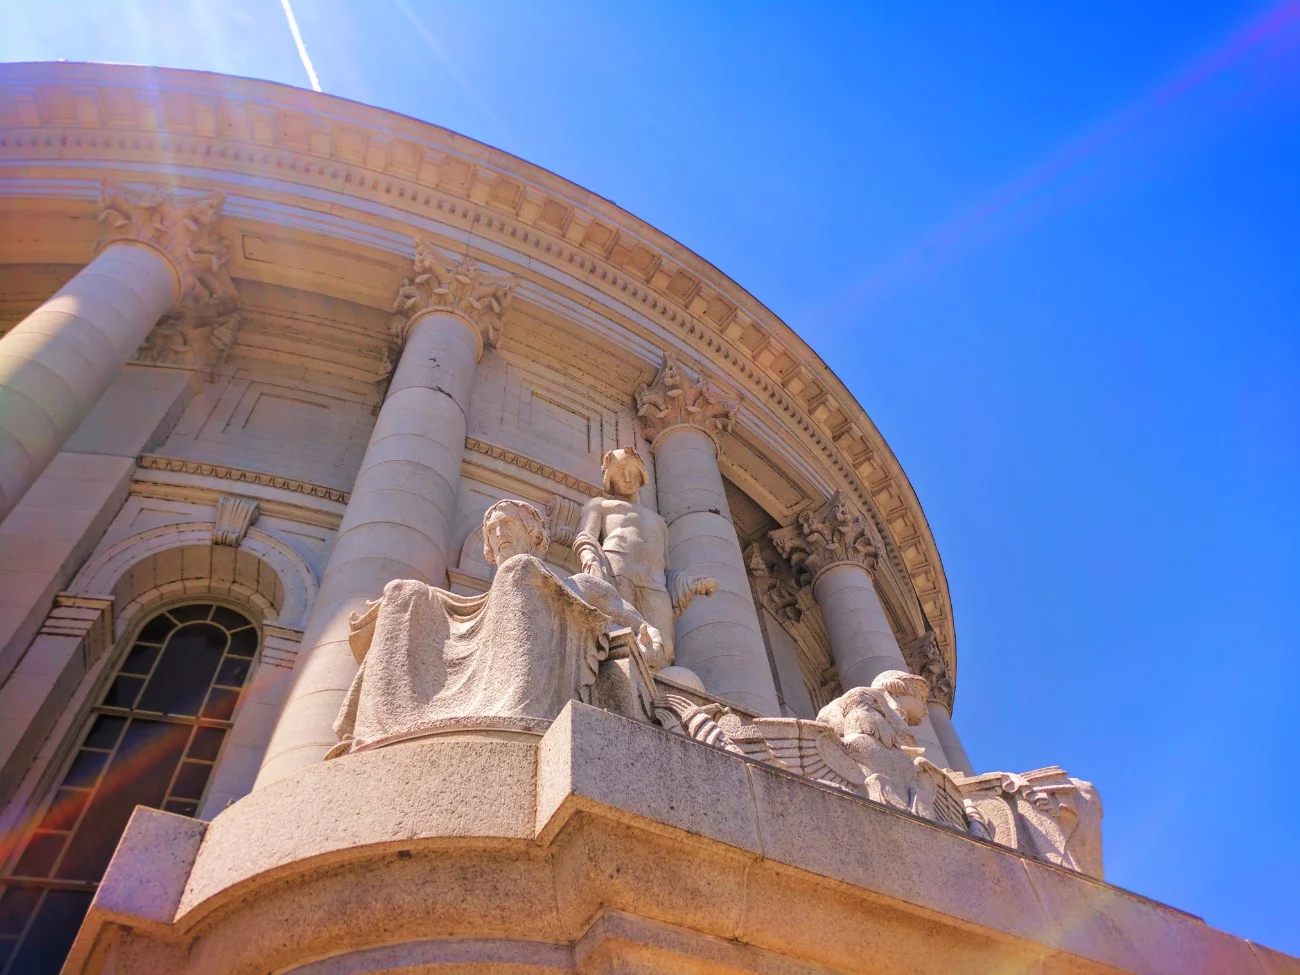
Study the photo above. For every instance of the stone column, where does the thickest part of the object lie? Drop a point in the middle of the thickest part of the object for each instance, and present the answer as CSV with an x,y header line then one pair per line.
x,y
926,659
832,549
399,519
717,636
56,363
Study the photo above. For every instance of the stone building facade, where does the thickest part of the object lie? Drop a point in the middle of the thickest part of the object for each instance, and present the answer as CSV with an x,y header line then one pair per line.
x,y
266,351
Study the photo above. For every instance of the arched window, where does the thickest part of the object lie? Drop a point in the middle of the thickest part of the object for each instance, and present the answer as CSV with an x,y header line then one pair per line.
x,y
153,739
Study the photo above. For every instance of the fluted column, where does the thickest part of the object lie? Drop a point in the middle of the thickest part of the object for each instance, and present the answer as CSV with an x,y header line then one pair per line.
x,y
717,636
399,519
832,548
56,363
926,659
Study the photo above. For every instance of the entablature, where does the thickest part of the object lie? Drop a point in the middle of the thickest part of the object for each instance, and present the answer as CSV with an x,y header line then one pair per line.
x,y
334,165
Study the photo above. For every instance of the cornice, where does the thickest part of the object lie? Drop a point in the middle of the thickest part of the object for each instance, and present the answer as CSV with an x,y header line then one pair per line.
x,y
177,465
67,113
534,466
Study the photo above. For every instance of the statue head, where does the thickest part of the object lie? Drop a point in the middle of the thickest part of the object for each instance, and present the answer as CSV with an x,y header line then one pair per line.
x,y
908,691
623,473
513,527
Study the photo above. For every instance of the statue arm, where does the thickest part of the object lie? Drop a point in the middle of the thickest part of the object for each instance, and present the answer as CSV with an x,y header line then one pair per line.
x,y
684,586
586,544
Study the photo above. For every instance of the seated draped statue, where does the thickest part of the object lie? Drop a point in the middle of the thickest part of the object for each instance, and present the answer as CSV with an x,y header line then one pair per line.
x,y
511,658
626,543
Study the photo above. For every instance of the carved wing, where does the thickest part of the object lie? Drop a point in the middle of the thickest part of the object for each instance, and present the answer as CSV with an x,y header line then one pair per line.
x,y
838,762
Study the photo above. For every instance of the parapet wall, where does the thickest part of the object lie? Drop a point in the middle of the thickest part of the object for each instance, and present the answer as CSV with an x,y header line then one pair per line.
x,y
605,845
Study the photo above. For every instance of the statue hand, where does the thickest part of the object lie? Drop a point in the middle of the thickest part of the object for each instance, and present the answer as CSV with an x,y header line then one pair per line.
x,y
682,588
651,642
703,585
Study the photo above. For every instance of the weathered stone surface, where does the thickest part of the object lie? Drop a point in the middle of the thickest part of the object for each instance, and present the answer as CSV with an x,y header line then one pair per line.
x,y
432,661
693,860
625,543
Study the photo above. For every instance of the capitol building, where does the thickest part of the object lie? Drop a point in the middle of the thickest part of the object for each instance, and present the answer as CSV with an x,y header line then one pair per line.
x,y
414,563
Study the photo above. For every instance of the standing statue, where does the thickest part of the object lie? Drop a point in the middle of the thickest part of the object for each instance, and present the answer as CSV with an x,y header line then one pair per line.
x,y
510,659
625,543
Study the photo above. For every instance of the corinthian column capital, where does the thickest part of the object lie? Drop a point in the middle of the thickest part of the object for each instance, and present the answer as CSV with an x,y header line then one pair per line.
x,y
925,659
833,534
183,230
676,398
457,285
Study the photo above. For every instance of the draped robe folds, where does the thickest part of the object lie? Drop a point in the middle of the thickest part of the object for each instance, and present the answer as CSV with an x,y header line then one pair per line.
x,y
432,660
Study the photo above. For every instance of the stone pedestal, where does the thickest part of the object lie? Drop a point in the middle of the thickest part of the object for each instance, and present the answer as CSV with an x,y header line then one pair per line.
x,y
399,519
717,637
607,846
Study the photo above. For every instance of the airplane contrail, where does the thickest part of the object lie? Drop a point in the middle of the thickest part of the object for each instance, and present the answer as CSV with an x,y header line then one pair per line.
x,y
302,48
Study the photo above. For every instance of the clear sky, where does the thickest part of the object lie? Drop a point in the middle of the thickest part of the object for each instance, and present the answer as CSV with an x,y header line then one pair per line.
x,y
1054,249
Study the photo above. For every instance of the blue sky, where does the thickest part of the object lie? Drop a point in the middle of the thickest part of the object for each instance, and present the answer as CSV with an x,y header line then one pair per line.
x,y
1056,255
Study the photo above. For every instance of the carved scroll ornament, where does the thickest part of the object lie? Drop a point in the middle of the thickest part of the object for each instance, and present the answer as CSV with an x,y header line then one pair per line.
x,y
185,230
830,535
454,284
676,398
926,659
191,338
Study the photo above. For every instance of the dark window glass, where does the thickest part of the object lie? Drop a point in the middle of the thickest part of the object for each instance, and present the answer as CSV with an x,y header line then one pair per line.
x,y
105,732
42,851
123,692
157,629
47,942
17,905
85,769
189,614
190,780
207,743
233,672
221,704
65,810
229,618
244,642
138,758
141,659
139,775
181,679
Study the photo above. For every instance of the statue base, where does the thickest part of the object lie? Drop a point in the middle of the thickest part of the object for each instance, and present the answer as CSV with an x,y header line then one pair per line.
x,y
606,845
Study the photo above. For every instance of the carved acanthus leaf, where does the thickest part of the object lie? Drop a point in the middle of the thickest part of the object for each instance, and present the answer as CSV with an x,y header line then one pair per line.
x,y
796,610
925,659
185,230
193,338
454,284
778,596
676,398
829,535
